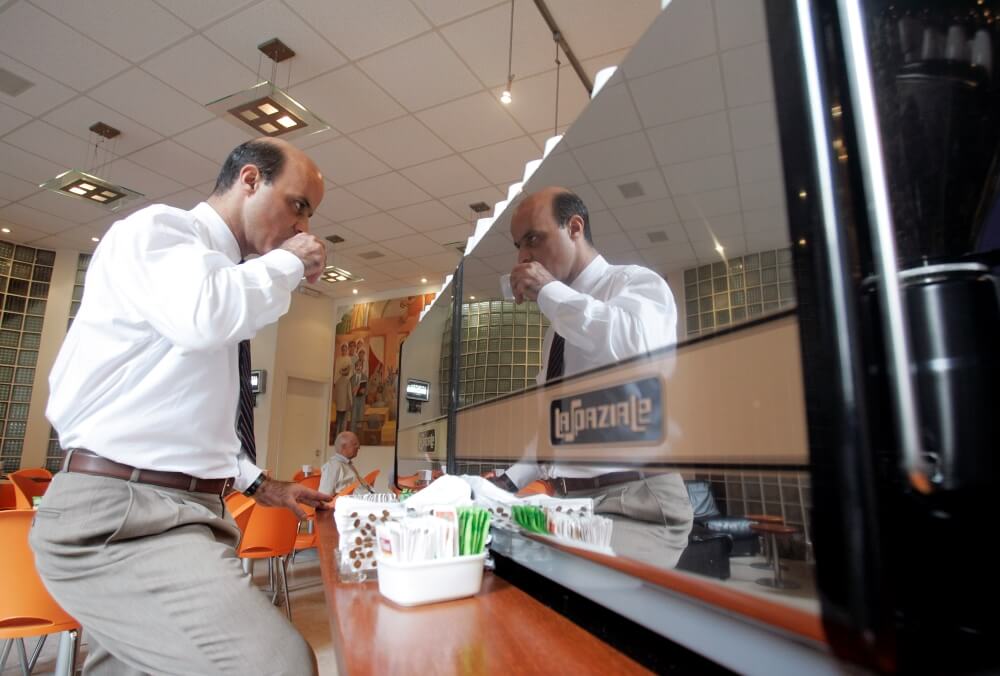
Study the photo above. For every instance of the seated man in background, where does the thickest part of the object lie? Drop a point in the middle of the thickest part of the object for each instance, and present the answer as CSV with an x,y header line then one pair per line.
x,y
339,472
599,314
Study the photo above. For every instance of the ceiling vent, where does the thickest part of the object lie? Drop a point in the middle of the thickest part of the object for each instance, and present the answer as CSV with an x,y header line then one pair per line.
x,y
371,255
657,236
13,85
631,190
334,239
479,207
458,246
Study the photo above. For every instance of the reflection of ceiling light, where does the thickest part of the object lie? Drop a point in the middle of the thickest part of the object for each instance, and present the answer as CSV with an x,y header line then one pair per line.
x,y
95,239
354,291
472,298
802,242
803,194
719,248
423,280
5,230
332,275
505,97
90,188
266,108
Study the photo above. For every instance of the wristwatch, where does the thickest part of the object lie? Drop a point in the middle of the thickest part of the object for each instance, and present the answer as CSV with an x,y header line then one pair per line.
x,y
252,488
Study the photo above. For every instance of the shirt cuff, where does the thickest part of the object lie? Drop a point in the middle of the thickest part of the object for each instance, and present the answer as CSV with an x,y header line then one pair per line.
x,y
552,295
246,474
285,263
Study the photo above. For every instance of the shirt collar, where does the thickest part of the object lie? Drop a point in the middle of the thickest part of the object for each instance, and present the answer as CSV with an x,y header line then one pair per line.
x,y
222,236
339,458
590,275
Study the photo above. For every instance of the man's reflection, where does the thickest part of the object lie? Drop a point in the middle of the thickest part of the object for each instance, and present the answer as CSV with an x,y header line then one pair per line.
x,y
599,314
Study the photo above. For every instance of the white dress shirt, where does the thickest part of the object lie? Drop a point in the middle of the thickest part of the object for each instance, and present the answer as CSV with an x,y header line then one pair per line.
x,y
148,373
608,313
337,474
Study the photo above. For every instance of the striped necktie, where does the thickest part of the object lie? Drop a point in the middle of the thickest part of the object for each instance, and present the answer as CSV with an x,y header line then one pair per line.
x,y
555,367
244,412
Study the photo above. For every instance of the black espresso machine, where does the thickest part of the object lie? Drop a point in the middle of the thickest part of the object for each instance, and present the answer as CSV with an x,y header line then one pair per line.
x,y
899,304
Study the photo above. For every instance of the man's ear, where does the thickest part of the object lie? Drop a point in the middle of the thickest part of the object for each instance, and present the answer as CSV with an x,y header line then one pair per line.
x,y
249,178
575,226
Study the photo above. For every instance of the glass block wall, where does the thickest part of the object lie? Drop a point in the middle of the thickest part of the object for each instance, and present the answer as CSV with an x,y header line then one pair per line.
x,y
25,274
54,454
717,295
501,350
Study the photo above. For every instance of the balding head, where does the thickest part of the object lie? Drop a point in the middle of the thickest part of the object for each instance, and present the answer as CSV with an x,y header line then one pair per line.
x,y
552,227
347,444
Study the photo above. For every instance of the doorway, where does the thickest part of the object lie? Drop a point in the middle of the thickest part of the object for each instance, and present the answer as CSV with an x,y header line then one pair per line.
x,y
303,428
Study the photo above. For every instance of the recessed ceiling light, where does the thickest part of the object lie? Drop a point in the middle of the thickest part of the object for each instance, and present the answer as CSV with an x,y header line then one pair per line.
x,y
354,291
95,239
423,280
5,230
472,298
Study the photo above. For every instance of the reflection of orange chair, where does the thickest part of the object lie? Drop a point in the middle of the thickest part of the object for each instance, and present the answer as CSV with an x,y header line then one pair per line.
x,y
536,488
28,484
26,609
240,507
300,475
7,498
270,534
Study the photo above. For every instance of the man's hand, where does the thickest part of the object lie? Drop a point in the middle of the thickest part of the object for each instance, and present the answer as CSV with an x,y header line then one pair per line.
x,y
288,494
311,251
527,280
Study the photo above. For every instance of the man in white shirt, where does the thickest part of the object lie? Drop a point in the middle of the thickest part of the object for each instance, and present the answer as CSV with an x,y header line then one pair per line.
x,y
150,397
339,471
599,314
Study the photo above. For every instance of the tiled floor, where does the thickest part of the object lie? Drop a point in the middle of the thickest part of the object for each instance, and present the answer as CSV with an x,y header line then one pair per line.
x,y
308,614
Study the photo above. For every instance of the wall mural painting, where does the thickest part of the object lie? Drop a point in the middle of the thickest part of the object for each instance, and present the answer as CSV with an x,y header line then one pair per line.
x,y
366,367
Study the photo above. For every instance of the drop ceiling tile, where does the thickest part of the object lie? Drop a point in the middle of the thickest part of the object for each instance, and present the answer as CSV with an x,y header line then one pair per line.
x,y
350,237
11,118
765,220
428,216
496,242
611,113
135,177
411,246
669,254
452,233
241,33
472,122
598,63
534,105
199,13
401,269
44,140
342,162
684,32
504,162
691,139
21,215
357,254
762,194
720,227
740,22
31,36
377,227
705,250
67,208
501,263
441,12
762,240
628,257
640,238
650,182
173,159
460,203
360,28
217,75
23,235
160,108
347,99
758,164
402,143
596,26
646,215
613,243
340,205
43,95
133,29
590,197
747,72
603,222
446,176
558,169
754,125
440,76
701,175
442,262
78,115
26,166
13,189
482,42
615,157
701,84
388,191
709,203
214,140
186,199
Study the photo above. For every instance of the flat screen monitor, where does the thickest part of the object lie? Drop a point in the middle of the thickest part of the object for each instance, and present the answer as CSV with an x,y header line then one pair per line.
x,y
419,390
258,380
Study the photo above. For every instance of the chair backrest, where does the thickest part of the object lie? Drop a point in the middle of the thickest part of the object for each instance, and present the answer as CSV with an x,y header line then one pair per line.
x,y
702,500
26,608
270,532
311,481
371,476
8,499
240,507
28,484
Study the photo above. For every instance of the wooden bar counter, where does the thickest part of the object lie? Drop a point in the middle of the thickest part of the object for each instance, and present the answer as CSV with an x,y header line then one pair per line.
x,y
500,630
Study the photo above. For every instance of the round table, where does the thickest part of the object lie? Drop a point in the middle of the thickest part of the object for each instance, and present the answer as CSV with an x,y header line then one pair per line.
x,y
771,531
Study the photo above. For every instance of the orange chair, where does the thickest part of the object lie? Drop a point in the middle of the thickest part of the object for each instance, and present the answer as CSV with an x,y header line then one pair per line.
x,y
26,609
28,484
270,534
240,507
311,481
536,488
353,486
7,498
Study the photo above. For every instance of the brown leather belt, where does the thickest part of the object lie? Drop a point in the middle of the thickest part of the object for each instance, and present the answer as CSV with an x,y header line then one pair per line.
x,y
564,485
82,461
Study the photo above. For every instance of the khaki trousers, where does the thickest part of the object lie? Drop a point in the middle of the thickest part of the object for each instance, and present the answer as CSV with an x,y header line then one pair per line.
x,y
652,517
152,575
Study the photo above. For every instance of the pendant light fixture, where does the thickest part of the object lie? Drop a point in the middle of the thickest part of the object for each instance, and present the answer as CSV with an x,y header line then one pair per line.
x,y
505,97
